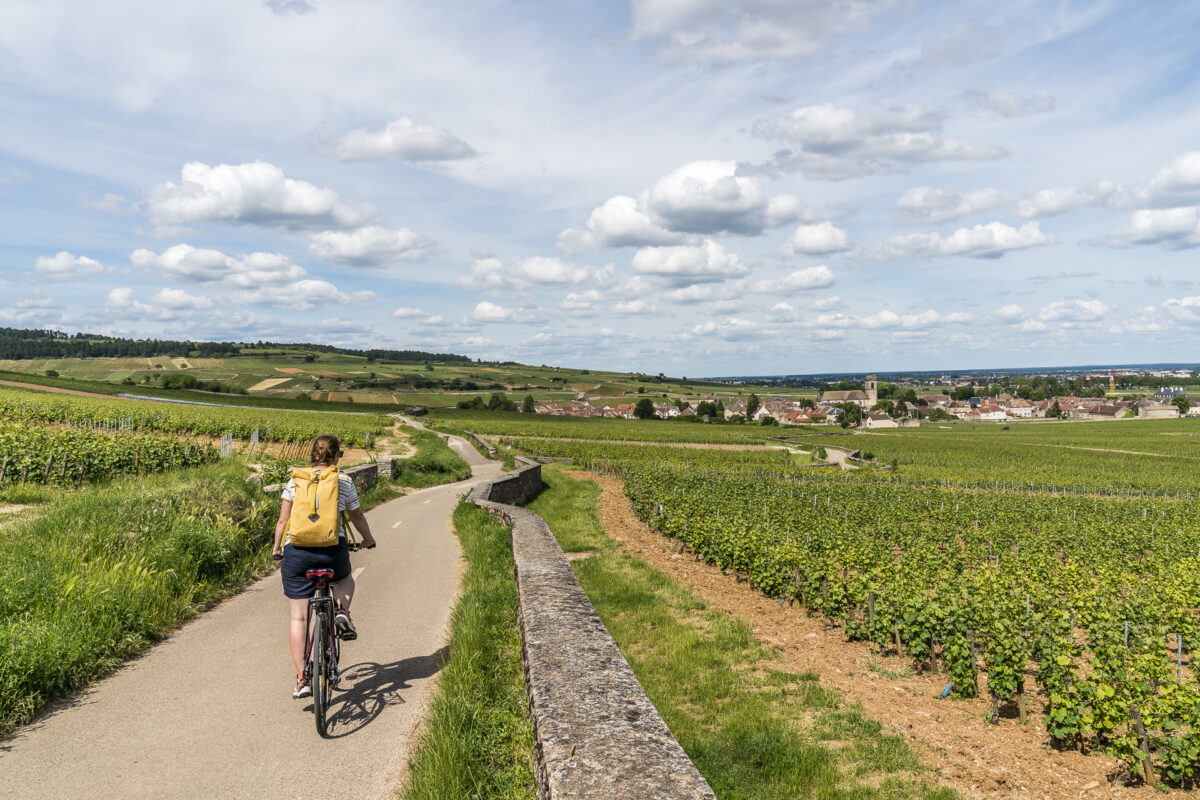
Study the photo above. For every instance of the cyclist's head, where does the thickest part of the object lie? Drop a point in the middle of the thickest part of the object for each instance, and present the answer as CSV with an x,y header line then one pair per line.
x,y
326,449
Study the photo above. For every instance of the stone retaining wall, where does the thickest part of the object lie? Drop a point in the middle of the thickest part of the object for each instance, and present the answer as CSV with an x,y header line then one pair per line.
x,y
486,445
597,735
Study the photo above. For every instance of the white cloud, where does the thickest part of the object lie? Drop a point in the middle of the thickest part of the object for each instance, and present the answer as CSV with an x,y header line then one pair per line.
x,y
370,246
701,197
1073,311
256,193
817,239
581,301
1010,313
1183,309
402,139
982,241
284,7
179,299
302,295
620,222
689,263
703,30
638,306
826,303
487,311
420,315
1176,184
1173,228
62,266
184,262
709,197
800,280
926,204
1010,105
1061,199
838,143
529,273
965,44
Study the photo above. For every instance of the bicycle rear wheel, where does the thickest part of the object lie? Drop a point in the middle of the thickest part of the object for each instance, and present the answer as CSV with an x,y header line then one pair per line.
x,y
319,683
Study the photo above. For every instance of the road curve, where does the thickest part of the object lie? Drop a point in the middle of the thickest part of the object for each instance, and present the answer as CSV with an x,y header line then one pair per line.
x,y
208,713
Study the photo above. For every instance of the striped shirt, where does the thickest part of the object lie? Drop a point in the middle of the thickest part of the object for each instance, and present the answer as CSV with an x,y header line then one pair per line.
x,y
347,498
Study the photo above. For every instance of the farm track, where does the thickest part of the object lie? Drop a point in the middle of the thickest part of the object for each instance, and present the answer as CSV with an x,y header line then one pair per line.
x,y
1006,761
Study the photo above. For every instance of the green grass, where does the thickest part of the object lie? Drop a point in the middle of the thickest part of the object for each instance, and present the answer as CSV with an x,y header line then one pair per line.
x,y
753,730
101,572
433,464
478,742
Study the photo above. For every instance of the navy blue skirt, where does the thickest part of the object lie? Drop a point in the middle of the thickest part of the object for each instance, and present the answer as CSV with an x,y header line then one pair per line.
x,y
298,560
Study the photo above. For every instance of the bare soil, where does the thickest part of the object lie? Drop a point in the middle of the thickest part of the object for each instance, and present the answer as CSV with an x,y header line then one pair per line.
x,y
1007,760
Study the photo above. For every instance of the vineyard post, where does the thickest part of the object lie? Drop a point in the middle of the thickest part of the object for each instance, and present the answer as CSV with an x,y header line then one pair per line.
x,y
3,469
1144,742
62,473
46,472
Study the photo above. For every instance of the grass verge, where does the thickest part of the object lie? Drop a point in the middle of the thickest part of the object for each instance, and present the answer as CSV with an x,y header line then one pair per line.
x,y
103,571
753,730
433,464
478,741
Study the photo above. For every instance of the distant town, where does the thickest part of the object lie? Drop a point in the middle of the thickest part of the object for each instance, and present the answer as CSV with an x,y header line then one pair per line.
x,y
865,405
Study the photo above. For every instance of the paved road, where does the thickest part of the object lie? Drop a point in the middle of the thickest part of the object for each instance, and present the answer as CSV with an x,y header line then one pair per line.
x,y
209,714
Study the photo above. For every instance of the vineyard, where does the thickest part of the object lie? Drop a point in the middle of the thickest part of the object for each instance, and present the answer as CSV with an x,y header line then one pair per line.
x,y
280,426
1079,585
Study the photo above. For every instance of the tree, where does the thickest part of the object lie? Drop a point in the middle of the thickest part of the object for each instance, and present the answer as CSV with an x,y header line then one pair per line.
x,y
644,409
527,406
886,406
1182,402
940,415
806,402
1055,411
852,414
51,373
752,405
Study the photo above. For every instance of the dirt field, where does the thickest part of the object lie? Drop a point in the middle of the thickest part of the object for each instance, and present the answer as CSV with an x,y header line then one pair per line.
x,y
267,383
53,389
1008,760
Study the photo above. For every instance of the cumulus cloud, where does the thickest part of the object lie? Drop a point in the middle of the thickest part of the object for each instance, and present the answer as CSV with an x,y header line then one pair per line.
x,y
184,262
1173,228
817,239
1010,105
826,303
256,193
1069,312
699,30
180,299
1183,309
927,204
837,143
302,295
371,246
487,311
1061,199
63,266
403,139
620,222
800,280
529,273
638,306
731,329
1176,184
982,241
698,198
1010,313
685,264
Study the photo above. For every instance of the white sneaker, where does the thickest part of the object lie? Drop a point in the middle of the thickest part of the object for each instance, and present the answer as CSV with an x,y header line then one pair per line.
x,y
303,689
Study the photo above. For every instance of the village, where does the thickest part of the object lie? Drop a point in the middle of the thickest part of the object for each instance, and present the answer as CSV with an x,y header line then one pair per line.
x,y
831,406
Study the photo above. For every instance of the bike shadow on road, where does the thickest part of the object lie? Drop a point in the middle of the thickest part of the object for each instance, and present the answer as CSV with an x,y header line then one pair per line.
x,y
367,688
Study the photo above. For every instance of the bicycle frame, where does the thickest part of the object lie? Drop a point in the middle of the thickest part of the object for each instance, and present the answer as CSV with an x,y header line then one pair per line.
x,y
321,656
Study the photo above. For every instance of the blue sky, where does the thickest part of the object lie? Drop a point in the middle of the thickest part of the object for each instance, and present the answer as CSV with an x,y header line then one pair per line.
x,y
688,186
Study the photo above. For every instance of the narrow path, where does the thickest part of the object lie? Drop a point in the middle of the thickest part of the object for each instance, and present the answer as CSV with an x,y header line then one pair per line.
x,y
208,713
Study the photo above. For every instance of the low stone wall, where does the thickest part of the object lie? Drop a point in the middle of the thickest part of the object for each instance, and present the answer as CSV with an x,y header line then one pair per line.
x,y
598,736
518,487
486,445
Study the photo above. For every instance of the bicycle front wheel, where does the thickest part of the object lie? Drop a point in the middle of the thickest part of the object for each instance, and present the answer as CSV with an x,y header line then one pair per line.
x,y
319,683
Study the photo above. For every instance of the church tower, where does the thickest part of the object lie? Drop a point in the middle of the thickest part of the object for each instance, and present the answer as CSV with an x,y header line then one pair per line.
x,y
872,391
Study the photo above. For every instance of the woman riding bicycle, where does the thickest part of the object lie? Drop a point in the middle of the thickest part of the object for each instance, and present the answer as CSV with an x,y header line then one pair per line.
x,y
326,451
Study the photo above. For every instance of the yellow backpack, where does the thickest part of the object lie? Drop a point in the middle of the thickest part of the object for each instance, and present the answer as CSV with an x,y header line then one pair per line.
x,y
314,518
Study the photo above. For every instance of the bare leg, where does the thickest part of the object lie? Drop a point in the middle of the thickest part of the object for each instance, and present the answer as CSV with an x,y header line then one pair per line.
x,y
298,632
343,591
